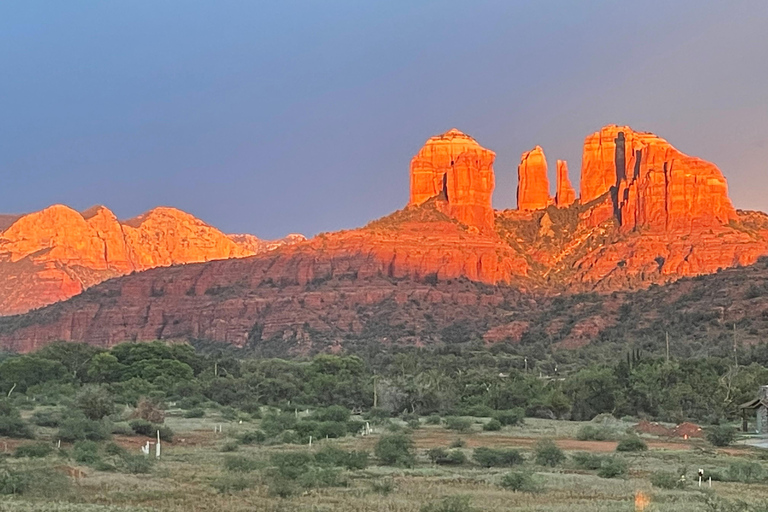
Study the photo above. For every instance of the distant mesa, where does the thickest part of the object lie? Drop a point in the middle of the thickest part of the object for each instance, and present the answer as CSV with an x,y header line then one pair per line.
x,y
57,252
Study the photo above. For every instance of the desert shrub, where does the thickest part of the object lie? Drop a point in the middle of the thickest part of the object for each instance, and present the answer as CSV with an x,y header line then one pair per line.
x,y
612,467
194,413
240,464
274,424
86,452
79,428
321,477
443,457
457,443
136,464
666,480
631,444
547,453
13,481
252,437
476,411
150,409
35,450
722,435
395,450
230,446
449,504
746,472
115,450
384,486
492,426
146,428
594,433
459,424
510,417
492,457
336,457
95,402
591,461
519,482
46,418
282,487
355,426
331,430
335,413
413,424
11,424
229,483
291,464
433,419
122,428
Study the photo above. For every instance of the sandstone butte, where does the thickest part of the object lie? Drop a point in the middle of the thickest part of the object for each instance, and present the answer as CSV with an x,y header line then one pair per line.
x,y
647,214
532,181
55,253
456,168
566,194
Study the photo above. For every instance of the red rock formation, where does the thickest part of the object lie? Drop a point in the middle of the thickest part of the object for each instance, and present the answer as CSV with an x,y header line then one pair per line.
x,y
652,184
532,181
454,167
57,252
565,195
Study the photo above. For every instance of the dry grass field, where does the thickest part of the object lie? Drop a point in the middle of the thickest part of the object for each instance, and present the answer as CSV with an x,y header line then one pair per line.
x,y
193,475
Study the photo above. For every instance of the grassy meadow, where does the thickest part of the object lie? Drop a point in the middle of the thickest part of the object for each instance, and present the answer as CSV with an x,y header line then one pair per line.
x,y
440,469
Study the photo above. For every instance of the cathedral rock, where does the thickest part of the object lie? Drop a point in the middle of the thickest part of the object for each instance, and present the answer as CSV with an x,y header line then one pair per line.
x,y
458,170
652,185
532,181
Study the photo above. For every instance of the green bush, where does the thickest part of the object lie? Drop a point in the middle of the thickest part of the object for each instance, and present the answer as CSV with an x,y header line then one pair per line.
x,y
746,472
146,428
433,419
275,424
321,477
385,486
334,413
548,453
115,450
459,424
35,450
449,504
95,402
136,464
194,413
492,426
282,487
721,435
86,452
336,457
79,428
291,464
631,444
666,480
240,464
457,443
230,446
519,482
46,418
590,461
11,424
492,457
230,483
13,481
510,417
612,467
395,450
594,433
252,437
443,457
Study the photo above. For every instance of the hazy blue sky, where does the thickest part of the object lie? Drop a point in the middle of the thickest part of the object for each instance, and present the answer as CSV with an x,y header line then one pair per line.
x,y
271,117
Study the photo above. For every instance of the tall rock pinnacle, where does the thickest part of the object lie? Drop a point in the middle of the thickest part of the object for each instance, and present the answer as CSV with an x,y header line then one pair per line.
x,y
565,195
532,181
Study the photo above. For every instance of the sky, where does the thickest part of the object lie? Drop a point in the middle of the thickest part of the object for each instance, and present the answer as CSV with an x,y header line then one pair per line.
x,y
273,117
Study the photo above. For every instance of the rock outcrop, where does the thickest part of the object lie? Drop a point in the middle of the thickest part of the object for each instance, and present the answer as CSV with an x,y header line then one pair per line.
x,y
57,252
566,194
459,171
651,184
532,181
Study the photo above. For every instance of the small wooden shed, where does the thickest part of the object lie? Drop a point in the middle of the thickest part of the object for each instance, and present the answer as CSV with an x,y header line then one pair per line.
x,y
760,406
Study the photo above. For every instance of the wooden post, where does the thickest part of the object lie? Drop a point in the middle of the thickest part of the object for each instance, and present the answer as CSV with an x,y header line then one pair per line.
x,y
667,333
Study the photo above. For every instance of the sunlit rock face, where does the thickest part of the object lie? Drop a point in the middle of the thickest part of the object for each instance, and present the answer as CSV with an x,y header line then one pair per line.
x,y
532,181
459,171
566,194
52,254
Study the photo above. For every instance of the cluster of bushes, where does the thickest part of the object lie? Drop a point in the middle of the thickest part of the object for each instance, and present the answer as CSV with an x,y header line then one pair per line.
x,y
491,457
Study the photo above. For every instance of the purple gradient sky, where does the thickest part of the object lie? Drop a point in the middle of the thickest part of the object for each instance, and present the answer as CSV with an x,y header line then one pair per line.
x,y
302,116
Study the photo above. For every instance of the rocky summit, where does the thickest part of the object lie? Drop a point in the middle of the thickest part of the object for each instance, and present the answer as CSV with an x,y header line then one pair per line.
x,y
647,214
55,253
